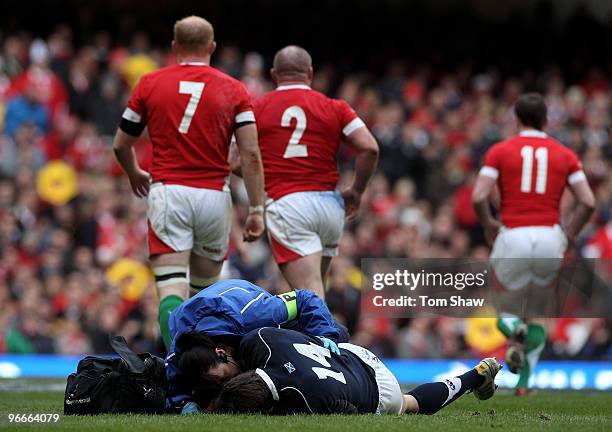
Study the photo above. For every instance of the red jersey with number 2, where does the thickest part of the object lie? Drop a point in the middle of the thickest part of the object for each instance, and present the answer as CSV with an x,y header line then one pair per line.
x,y
191,111
299,133
532,171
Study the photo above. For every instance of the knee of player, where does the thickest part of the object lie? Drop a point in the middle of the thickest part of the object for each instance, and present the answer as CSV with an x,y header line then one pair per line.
x,y
197,284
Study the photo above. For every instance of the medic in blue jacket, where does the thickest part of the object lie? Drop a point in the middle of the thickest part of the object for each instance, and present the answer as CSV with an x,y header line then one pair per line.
x,y
234,307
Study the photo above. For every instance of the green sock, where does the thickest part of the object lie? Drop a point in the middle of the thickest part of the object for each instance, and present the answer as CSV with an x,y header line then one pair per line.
x,y
507,324
166,306
536,340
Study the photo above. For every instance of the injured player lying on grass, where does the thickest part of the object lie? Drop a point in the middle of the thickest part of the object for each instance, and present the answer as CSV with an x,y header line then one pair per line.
x,y
279,371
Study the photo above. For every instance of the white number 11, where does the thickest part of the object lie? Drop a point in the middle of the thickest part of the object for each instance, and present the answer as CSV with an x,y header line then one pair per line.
x,y
194,89
541,156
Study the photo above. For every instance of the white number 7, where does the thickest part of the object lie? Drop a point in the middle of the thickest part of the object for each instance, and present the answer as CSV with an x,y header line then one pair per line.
x,y
194,89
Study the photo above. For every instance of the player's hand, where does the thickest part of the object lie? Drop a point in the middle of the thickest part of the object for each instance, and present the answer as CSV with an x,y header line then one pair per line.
x,y
352,201
330,345
140,181
491,229
253,227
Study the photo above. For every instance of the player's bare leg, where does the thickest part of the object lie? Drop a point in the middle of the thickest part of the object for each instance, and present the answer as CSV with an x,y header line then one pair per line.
x,y
432,397
325,265
305,273
170,272
526,344
526,340
203,272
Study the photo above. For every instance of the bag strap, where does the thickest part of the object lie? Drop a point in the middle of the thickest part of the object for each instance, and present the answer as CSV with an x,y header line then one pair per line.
x,y
135,363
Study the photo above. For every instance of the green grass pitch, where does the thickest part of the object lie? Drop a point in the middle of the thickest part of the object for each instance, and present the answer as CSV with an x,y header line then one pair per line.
x,y
554,410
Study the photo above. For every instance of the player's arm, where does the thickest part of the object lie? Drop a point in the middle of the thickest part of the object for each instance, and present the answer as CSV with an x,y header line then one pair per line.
x,y
123,146
234,158
302,306
586,205
359,138
312,314
484,187
252,173
484,190
133,122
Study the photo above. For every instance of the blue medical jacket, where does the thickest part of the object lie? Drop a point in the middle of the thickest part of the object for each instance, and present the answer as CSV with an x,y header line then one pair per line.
x,y
235,307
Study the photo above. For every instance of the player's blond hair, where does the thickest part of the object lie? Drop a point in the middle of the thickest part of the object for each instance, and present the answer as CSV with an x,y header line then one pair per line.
x,y
193,33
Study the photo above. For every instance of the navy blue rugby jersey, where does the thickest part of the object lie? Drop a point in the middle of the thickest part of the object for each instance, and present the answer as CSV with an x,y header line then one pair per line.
x,y
305,377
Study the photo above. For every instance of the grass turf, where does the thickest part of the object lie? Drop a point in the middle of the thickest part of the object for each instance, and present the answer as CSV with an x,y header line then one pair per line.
x,y
583,411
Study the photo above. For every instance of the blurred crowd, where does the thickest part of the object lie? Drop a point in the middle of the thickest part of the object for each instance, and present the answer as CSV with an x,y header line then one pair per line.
x,y
73,237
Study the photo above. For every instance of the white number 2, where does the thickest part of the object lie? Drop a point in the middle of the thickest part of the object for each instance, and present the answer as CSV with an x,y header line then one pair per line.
x,y
320,355
541,156
294,148
194,89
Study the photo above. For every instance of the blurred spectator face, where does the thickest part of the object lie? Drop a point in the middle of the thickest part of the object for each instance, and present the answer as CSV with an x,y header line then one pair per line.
x,y
39,53
253,65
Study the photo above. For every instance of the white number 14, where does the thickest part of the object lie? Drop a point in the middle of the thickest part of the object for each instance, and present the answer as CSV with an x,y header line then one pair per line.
x,y
541,156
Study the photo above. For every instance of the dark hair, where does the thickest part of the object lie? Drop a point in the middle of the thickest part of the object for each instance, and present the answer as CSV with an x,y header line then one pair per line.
x,y
531,110
245,393
197,357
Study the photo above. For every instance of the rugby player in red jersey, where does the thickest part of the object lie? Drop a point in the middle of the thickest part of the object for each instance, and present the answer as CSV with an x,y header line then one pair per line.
x,y
300,131
531,171
191,111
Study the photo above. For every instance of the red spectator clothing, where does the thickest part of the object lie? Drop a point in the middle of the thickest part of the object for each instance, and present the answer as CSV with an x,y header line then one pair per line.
x,y
299,134
191,111
532,171
600,245
48,87
462,203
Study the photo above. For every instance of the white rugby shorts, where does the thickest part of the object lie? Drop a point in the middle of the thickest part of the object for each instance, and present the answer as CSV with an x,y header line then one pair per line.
x,y
184,218
528,255
304,223
390,398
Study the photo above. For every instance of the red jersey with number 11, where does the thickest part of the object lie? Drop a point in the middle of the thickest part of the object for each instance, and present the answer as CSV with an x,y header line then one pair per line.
x,y
532,171
299,133
191,111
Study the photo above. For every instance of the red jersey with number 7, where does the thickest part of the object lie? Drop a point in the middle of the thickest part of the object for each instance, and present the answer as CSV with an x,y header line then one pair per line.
x,y
191,111
532,171
299,132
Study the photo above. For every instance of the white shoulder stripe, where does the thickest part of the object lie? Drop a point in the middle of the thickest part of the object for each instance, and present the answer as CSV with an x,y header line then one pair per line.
x,y
131,115
576,177
352,126
264,376
245,116
488,171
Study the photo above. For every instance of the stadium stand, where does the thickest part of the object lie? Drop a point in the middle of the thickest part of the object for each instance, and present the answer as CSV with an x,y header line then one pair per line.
x,y
72,236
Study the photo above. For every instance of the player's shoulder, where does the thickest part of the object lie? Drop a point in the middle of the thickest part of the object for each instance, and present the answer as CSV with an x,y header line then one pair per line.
x,y
223,77
231,287
502,146
559,146
159,73
264,336
337,104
